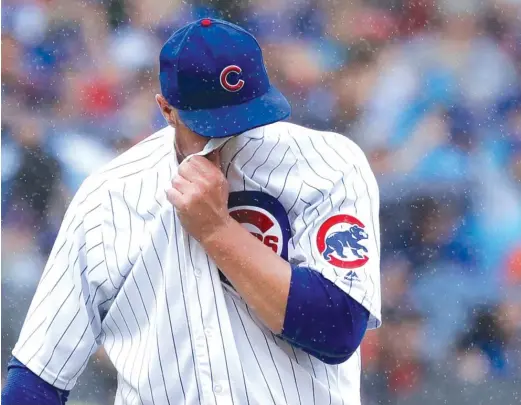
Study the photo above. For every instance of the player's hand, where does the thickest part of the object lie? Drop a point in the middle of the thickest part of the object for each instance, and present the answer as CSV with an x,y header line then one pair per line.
x,y
199,194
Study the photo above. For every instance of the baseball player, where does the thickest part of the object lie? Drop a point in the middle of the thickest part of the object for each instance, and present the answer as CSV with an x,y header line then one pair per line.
x,y
228,259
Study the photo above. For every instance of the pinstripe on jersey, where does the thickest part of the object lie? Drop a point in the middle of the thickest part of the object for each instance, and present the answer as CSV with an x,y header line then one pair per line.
x,y
124,274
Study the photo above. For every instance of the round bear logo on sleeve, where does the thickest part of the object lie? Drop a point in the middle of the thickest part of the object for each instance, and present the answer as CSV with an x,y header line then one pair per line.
x,y
339,241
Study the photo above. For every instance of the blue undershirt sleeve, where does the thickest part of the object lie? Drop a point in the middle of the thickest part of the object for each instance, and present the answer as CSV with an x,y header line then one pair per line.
x,y
24,387
321,319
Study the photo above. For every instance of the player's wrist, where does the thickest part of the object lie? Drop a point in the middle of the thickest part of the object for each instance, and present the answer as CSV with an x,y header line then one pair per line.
x,y
218,232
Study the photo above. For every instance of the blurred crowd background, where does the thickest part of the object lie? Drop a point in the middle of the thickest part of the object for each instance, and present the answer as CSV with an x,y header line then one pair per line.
x,y
431,90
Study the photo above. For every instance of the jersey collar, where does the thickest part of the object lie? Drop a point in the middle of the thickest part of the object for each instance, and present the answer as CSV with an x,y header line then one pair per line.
x,y
213,144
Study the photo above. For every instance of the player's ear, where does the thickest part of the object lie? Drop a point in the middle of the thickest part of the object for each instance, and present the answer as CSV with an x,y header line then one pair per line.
x,y
167,110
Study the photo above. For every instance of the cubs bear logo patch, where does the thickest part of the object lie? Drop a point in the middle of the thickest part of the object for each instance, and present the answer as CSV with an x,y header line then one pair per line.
x,y
339,241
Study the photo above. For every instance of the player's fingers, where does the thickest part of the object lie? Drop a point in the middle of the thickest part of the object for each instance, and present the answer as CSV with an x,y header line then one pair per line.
x,y
190,170
205,165
199,170
181,184
176,198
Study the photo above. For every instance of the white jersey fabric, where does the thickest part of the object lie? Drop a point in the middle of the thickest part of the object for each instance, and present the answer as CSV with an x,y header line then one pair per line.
x,y
124,274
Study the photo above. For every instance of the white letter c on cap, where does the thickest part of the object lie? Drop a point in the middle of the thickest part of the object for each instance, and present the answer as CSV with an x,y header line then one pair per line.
x,y
226,85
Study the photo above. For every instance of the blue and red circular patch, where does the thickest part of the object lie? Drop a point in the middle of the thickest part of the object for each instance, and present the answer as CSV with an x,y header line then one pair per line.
x,y
338,241
265,218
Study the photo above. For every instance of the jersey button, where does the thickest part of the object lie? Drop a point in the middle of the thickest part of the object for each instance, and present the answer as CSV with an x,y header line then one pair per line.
x,y
218,388
197,273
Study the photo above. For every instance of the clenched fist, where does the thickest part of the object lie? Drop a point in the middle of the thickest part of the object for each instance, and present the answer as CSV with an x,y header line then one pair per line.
x,y
199,194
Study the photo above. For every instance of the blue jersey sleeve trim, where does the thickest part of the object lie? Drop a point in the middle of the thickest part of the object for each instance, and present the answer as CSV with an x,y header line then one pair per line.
x,y
24,387
321,319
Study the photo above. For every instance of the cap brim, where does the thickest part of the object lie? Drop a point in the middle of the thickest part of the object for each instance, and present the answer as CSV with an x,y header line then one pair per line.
x,y
222,122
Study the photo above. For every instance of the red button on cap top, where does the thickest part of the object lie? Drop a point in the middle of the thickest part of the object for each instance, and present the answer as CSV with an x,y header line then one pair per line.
x,y
206,22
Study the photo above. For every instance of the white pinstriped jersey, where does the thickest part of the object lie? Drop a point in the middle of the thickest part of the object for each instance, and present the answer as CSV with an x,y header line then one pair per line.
x,y
124,274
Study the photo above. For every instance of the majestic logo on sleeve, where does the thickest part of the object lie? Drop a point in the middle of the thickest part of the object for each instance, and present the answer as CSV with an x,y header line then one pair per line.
x,y
339,241
226,78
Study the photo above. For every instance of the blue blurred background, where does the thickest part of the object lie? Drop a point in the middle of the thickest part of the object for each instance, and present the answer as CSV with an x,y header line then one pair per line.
x,y
430,89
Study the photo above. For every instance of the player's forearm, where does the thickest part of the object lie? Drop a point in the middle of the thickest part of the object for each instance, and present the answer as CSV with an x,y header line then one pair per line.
x,y
258,274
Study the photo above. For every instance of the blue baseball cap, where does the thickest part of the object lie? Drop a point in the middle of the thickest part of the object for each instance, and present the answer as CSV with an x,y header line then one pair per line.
x,y
214,74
